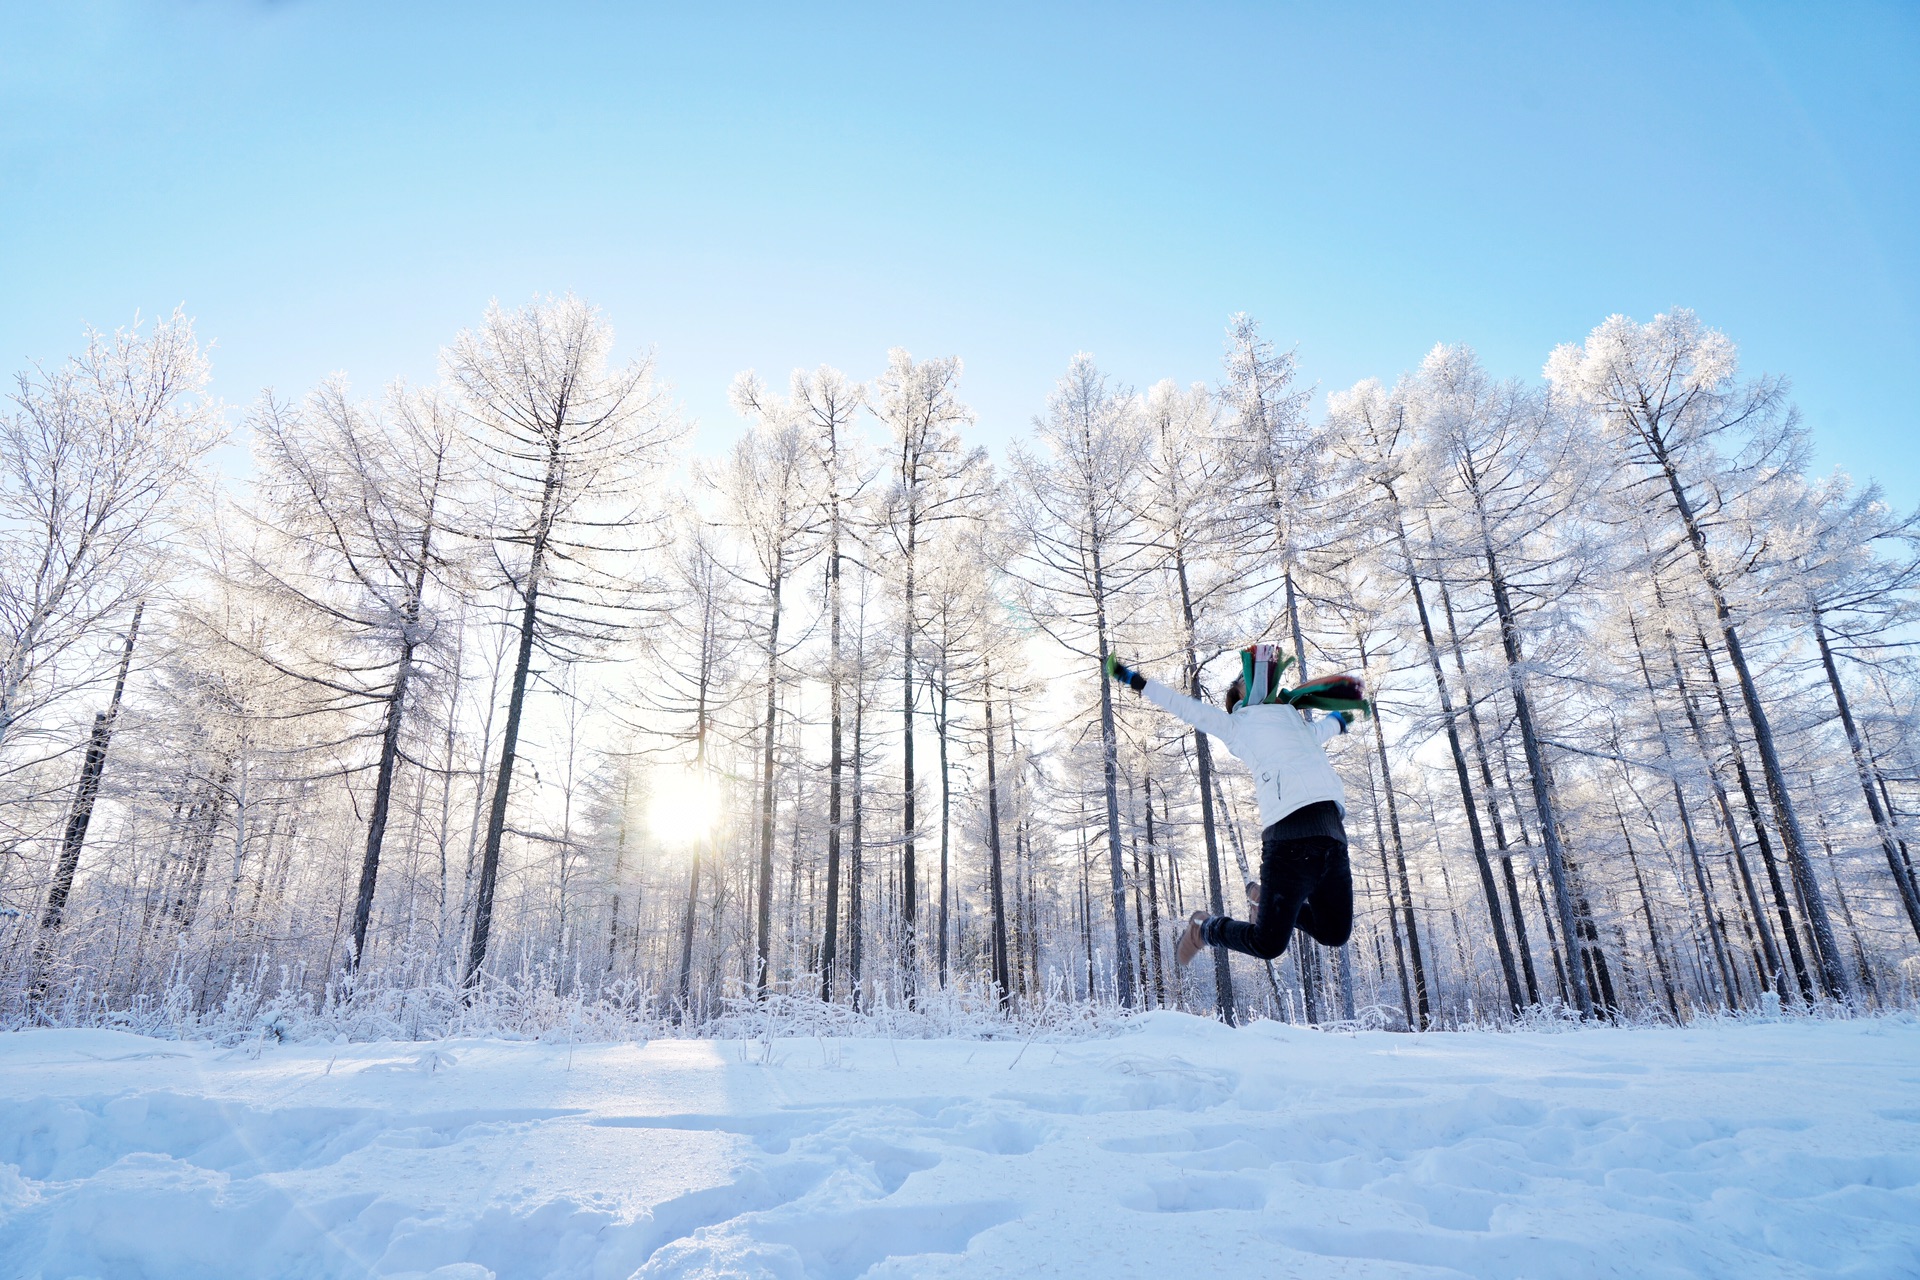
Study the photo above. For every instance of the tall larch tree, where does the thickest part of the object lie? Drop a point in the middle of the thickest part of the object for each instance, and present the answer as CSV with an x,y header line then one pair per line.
x,y
1667,393
933,480
571,447
771,499
1080,511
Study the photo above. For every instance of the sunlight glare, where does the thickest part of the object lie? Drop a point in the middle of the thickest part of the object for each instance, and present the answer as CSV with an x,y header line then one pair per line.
x,y
685,805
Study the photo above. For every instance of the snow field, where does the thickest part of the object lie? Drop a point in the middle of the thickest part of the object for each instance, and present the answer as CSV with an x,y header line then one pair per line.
x,y
1177,1146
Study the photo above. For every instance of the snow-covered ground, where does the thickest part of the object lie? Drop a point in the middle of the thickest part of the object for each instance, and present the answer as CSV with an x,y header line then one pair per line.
x,y
1175,1148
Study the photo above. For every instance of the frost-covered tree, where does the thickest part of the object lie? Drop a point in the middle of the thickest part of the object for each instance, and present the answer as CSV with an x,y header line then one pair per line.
x,y
934,478
962,612
1079,507
1512,476
828,403
1191,503
1855,562
571,447
80,815
1380,432
1668,393
1279,463
771,499
358,500
336,694
97,454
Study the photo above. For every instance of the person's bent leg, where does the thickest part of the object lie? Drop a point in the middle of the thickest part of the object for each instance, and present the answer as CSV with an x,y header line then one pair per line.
x,y
1289,869
1326,915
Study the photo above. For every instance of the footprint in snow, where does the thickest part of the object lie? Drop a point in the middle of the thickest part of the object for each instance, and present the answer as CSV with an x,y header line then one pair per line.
x,y
1197,1193
429,1063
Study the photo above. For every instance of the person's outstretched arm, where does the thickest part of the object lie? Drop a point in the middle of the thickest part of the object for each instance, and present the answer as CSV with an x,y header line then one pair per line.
x,y
1201,715
1331,725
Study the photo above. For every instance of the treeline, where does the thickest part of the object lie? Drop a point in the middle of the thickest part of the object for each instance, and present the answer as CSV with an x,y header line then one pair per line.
x,y
490,690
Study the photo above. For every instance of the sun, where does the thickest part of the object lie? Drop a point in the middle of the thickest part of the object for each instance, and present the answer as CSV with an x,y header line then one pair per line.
x,y
685,805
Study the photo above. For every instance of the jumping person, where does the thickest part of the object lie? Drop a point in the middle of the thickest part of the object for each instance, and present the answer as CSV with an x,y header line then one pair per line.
x,y
1305,882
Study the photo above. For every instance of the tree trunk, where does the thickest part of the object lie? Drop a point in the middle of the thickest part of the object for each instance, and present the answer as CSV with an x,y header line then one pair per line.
x,y
1492,812
1886,802
1386,881
1153,904
186,907
1537,769
1025,919
1305,958
1139,908
516,703
1110,769
1491,792
92,768
481,803
620,872
1833,978
941,726
996,877
1411,925
763,922
502,788
1592,957
1203,767
1653,927
1467,974
1086,903
1772,865
829,949
909,820
1017,922
1714,932
685,1009
1882,821
1346,982
445,835
1515,1000
396,701
1775,974
856,934
1553,943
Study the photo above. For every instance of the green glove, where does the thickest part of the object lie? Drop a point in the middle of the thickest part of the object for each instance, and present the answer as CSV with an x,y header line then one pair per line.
x,y
1117,670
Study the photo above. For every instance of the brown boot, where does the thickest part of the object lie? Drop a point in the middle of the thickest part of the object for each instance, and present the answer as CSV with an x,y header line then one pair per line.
x,y
1191,942
1253,902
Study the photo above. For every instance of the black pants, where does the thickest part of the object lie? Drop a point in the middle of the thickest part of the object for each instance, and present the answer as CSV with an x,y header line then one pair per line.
x,y
1304,884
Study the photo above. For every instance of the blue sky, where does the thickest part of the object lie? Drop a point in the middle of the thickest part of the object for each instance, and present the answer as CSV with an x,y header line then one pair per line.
x,y
344,186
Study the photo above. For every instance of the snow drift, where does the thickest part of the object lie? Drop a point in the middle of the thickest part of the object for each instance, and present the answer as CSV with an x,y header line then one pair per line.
x,y
1176,1146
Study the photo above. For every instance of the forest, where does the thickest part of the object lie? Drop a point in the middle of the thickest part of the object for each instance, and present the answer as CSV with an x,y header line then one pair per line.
x,y
492,704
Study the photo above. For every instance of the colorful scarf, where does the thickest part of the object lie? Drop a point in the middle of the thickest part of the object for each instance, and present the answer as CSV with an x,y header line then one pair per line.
x,y
1261,667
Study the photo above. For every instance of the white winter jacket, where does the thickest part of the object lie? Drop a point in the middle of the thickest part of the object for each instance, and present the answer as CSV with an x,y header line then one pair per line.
x,y
1279,744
